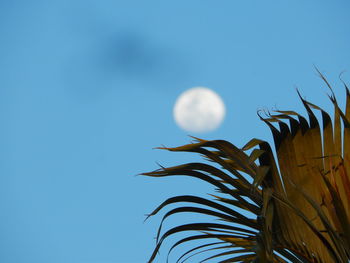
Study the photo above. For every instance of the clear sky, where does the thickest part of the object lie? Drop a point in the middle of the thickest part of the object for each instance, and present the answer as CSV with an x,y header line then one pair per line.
x,y
87,90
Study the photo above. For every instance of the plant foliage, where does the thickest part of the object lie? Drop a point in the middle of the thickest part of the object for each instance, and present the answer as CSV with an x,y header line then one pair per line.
x,y
300,203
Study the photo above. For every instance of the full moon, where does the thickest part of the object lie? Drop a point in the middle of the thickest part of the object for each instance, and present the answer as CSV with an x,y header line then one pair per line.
x,y
199,110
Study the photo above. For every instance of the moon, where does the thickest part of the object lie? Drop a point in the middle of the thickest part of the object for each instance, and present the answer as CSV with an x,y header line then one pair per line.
x,y
199,109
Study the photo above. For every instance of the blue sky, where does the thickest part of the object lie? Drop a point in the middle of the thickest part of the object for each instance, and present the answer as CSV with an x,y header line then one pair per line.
x,y
87,90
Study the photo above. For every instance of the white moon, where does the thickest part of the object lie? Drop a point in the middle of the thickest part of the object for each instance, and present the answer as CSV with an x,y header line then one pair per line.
x,y
199,110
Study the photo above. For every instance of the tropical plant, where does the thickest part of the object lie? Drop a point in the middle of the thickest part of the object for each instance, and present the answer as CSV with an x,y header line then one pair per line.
x,y
294,210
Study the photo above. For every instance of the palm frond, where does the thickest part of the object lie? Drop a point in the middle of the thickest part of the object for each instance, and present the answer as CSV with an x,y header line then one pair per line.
x,y
296,208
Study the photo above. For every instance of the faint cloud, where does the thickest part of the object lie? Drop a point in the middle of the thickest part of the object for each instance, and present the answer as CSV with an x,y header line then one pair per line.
x,y
129,54
104,62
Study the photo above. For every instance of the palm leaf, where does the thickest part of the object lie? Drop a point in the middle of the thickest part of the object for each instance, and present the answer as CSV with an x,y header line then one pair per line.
x,y
295,208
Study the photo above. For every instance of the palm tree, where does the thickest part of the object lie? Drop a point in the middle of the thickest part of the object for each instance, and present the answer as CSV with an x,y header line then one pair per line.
x,y
294,210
